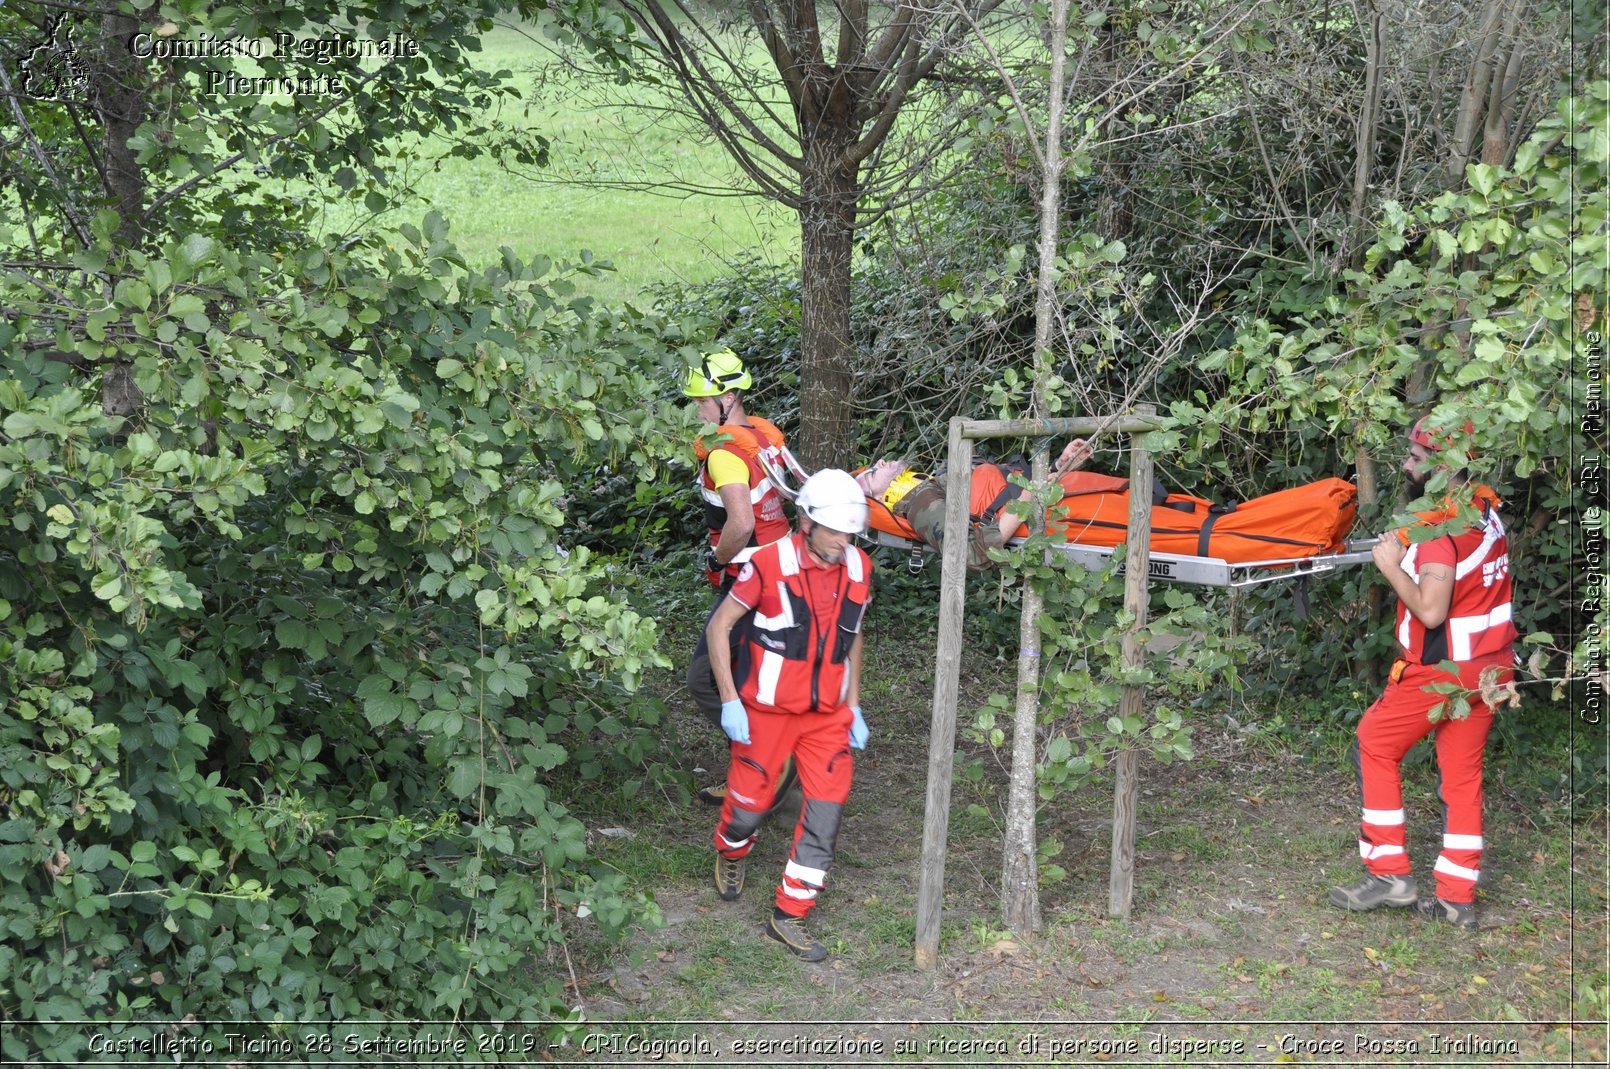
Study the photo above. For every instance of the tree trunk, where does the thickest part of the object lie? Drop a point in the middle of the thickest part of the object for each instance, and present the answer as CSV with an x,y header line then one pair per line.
x,y
827,233
1495,145
1494,42
120,104
1020,877
1368,118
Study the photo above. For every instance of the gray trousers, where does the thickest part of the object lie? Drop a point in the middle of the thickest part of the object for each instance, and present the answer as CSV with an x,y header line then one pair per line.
x,y
701,679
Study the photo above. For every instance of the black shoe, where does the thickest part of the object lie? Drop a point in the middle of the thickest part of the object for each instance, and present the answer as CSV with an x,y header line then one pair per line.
x,y
730,877
714,794
1373,891
790,931
1458,914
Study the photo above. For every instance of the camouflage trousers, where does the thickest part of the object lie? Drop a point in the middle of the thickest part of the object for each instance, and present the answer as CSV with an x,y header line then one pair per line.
x,y
924,510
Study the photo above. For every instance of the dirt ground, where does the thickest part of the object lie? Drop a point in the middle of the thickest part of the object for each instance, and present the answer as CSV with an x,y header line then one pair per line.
x,y
1231,954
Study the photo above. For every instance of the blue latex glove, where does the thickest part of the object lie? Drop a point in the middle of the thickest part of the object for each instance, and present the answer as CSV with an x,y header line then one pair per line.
x,y
735,721
858,730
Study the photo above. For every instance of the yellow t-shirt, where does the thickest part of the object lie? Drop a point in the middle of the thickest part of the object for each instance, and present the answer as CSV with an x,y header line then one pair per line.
x,y
726,468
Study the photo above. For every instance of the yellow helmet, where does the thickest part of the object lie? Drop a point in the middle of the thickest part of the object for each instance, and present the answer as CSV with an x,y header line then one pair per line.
x,y
715,374
903,484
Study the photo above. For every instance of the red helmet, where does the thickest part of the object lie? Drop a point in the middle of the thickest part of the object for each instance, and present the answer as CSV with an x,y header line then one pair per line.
x,y
1436,439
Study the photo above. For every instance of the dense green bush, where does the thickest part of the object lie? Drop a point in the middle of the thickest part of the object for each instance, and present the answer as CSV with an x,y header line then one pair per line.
x,y
299,656
305,645
1479,304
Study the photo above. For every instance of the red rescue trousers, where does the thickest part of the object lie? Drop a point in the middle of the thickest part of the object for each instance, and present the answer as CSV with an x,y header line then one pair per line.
x,y
1399,719
820,743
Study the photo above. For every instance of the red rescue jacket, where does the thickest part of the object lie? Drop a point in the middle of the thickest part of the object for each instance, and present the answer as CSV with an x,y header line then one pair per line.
x,y
1480,625
748,444
788,661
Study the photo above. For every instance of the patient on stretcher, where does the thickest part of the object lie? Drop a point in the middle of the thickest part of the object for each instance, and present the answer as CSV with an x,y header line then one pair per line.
x,y
919,500
1289,524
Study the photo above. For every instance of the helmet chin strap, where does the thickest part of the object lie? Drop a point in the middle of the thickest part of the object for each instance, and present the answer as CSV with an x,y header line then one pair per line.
x,y
725,410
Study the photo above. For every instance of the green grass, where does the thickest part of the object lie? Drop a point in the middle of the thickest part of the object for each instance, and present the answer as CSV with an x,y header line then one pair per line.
x,y
648,237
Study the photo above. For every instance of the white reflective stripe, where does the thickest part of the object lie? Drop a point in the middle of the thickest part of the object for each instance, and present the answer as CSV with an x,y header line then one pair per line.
x,y
772,623
1369,852
1461,842
733,844
771,667
852,564
714,496
1383,816
784,619
814,877
787,558
1492,531
1448,868
1461,629
1403,632
803,893
743,555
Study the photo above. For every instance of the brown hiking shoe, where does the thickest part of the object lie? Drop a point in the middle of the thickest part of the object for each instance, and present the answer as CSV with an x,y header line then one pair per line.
x,y
730,877
790,931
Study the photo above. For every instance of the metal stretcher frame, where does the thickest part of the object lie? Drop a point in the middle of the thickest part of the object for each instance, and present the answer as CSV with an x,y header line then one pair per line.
x,y
1178,568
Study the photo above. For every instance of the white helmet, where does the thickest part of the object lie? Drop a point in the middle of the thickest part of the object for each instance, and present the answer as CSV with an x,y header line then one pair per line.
x,y
835,500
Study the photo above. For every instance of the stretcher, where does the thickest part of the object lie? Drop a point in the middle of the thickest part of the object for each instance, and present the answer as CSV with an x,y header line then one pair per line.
x,y
1173,567
1103,502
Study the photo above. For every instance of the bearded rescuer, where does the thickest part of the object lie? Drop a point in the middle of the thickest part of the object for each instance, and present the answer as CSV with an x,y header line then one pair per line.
x,y
794,688
1450,571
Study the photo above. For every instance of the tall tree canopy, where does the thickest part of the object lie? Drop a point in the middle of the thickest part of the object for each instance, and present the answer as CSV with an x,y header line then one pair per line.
x,y
811,132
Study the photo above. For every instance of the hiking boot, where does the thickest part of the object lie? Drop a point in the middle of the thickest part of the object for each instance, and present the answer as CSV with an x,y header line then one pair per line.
x,y
1458,914
785,784
730,877
1374,891
790,931
714,794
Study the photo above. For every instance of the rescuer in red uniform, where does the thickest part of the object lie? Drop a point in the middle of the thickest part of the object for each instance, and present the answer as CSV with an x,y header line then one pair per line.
x,y
742,509
1450,571
794,688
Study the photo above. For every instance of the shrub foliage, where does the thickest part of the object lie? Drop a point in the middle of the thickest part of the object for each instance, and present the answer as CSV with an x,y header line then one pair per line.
x,y
300,655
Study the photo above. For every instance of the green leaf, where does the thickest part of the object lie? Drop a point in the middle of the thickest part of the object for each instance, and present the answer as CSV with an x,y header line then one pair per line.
x,y
464,777
132,293
192,253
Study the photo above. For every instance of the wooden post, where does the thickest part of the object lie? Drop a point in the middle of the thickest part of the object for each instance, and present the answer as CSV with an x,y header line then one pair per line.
x,y
947,655
947,676
1121,883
